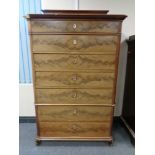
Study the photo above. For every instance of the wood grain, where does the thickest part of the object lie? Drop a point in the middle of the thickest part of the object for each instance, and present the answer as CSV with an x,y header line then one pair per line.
x,y
81,26
83,12
66,62
74,113
65,129
74,80
75,138
74,43
74,96
72,16
75,65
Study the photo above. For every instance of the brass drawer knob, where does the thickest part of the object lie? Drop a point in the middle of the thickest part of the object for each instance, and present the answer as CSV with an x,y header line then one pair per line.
x,y
74,26
74,128
75,61
75,111
74,77
74,42
74,95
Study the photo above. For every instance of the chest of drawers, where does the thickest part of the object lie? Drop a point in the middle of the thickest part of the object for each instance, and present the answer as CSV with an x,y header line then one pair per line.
x,y
74,61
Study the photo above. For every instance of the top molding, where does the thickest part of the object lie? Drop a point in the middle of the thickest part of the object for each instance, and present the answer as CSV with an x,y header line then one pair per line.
x,y
76,14
83,12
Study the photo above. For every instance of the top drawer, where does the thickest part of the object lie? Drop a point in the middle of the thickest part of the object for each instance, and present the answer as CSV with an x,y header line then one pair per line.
x,y
75,26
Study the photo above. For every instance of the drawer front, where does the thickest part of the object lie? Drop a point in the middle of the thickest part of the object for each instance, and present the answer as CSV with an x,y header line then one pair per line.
x,y
74,96
60,62
74,113
74,43
74,79
75,26
80,129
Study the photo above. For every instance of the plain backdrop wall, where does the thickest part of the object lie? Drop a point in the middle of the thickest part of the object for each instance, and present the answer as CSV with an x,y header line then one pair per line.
x,y
126,7
59,4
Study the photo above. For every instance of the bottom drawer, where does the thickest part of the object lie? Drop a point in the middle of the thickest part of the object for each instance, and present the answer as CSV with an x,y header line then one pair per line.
x,y
79,129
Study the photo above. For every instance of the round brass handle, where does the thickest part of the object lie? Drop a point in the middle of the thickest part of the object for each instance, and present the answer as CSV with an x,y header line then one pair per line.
x,y
75,111
74,95
74,77
74,127
75,61
74,26
74,42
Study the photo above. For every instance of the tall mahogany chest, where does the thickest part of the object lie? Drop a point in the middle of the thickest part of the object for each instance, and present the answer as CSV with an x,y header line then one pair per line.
x,y
75,63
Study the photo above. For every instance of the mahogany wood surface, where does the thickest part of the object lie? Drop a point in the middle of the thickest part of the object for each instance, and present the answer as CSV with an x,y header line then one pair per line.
x,y
74,113
75,56
64,62
107,17
74,43
75,11
80,129
75,26
74,79
74,96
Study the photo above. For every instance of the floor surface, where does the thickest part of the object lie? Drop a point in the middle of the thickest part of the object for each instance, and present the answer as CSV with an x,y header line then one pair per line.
x,y
27,146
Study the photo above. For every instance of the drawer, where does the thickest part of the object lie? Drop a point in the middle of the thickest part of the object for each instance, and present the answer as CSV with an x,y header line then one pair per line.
x,y
75,130
71,62
69,113
74,79
74,43
74,96
75,26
